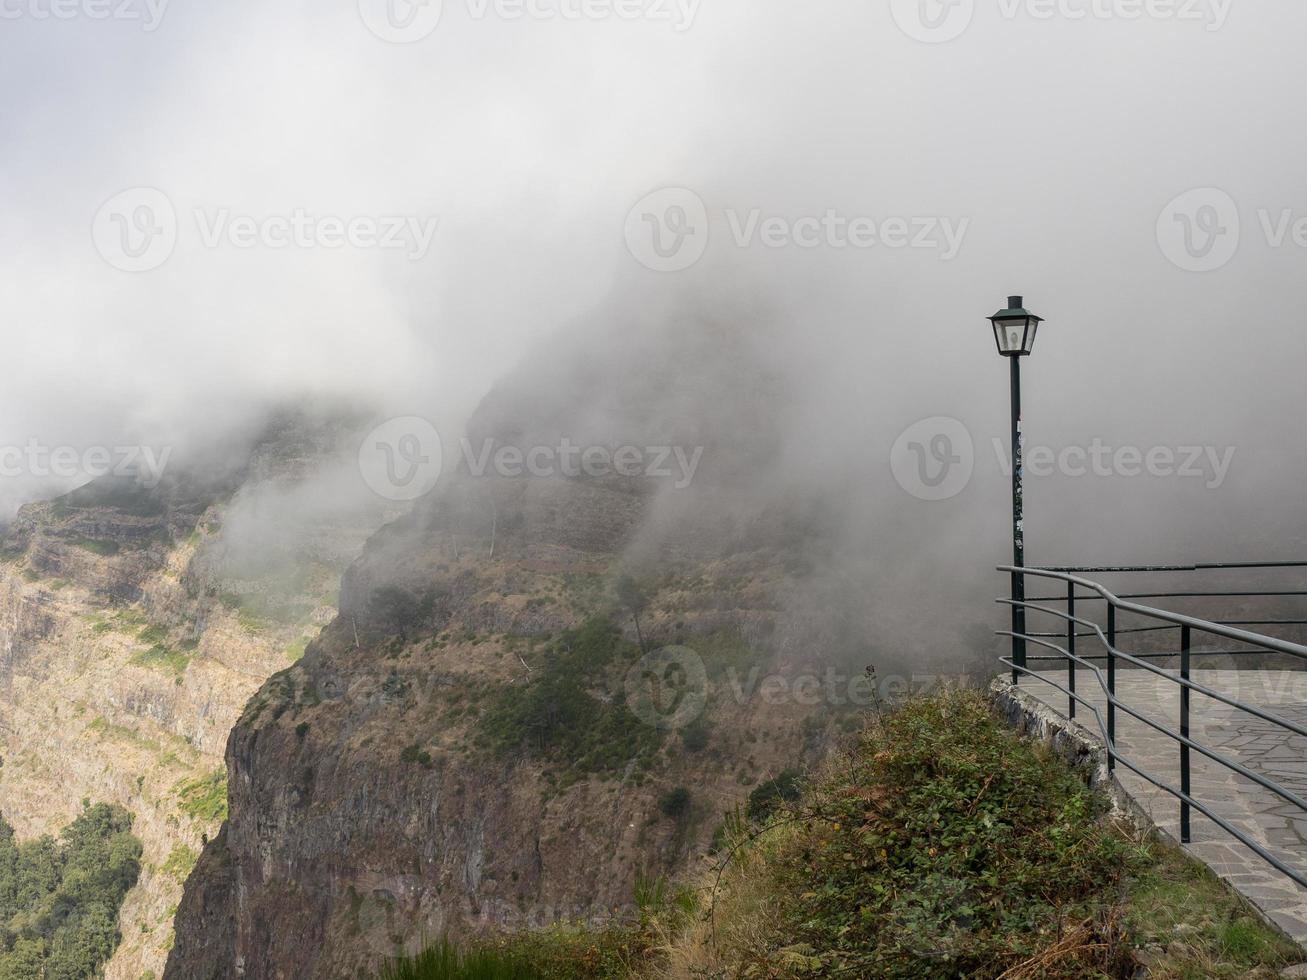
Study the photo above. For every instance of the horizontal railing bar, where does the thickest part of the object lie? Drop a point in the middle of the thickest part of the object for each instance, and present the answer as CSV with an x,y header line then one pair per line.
x,y
1184,682
1062,598
1234,594
1287,795
1029,606
1261,622
1119,631
1238,835
1202,625
1145,653
1112,699
1208,595
1172,626
1162,655
1196,567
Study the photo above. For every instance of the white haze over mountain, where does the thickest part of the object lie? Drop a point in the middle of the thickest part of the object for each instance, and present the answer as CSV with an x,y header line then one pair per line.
x,y
1055,143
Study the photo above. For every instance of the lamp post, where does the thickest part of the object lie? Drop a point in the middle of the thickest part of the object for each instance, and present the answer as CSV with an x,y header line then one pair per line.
x,y
1014,333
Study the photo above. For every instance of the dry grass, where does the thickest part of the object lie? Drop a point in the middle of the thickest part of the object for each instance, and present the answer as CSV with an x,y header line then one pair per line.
x,y
743,913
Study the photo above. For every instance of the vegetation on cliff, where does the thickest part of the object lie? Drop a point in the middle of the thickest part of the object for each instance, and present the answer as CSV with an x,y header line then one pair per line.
x,y
573,711
940,844
59,899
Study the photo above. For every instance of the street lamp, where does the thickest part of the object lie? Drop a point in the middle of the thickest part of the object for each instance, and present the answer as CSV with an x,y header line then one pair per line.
x,y
1014,333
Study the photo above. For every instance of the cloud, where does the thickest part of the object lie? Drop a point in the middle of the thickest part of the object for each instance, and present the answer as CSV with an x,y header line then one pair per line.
x,y
1060,142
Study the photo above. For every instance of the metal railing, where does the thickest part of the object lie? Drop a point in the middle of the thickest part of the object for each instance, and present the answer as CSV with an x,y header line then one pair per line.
x,y
1153,623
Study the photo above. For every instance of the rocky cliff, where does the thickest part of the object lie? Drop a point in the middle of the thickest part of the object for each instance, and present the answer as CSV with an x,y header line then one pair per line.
x,y
135,624
538,689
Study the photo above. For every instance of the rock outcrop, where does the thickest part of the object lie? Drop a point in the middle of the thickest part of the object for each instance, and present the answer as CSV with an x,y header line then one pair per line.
x,y
135,624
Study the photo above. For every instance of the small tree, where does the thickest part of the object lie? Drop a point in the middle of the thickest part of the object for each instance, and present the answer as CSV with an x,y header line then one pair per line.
x,y
635,601
397,608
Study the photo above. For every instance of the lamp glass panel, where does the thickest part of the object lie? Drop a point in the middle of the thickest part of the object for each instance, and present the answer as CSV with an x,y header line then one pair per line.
x,y
1010,334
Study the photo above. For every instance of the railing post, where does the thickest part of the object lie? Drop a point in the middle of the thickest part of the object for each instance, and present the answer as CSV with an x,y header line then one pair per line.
x,y
1071,649
1111,687
1184,731
1017,629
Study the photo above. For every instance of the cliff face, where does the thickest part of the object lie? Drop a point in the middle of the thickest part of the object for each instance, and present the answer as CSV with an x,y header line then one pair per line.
x,y
134,625
484,737
405,779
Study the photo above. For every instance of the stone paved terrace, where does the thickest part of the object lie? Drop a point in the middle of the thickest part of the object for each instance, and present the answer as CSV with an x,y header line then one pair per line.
x,y
1258,745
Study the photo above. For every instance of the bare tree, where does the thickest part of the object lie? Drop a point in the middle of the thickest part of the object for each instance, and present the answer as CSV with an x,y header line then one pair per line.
x,y
635,601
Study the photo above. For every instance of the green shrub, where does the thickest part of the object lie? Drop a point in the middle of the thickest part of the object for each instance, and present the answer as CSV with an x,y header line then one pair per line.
x,y
180,862
400,612
766,797
571,709
166,659
416,754
946,845
675,803
695,736
204,799
152,634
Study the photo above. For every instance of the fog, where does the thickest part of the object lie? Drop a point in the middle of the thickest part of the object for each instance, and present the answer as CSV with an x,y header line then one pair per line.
x,y
1031,154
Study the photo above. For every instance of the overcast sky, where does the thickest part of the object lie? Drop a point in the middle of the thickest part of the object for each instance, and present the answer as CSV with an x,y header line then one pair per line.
x,y
1030,147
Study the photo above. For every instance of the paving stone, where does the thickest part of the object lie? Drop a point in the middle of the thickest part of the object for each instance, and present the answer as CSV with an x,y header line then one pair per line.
x,y
1259,745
